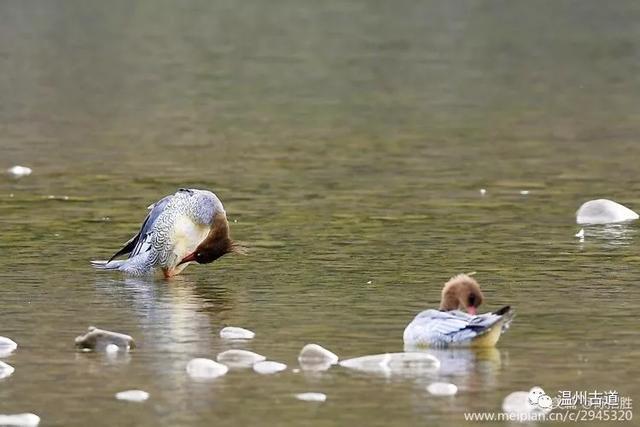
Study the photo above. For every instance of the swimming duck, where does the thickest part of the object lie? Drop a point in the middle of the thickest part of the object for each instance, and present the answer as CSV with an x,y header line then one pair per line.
x,y
449,326
188,226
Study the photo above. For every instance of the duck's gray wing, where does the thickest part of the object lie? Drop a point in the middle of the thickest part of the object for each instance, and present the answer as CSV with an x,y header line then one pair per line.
x,y
136,244
437,327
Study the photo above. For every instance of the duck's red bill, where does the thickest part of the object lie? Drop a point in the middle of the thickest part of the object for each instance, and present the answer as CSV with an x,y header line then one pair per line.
x,y
471,310
188,258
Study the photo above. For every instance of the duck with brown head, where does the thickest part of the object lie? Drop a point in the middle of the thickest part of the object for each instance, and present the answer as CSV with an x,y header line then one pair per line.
x,y
216,244
461,292
190,225
450,326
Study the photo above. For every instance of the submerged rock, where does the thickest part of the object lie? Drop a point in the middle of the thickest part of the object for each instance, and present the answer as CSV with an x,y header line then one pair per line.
x,y
133,395
19,171
527,402
240,358
7,346
517,402
442,389
201,368
269,367
313,357
603,211
99,339
235,333
409,363
5,370
311,397
21,420
111,349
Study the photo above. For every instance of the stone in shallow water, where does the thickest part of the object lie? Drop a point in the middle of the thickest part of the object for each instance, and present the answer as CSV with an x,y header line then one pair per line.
x,y
235,333
516,403
5,370
269,367
21,420
442,389
312,397
313,357
19,171
112,349
133,395
7,346
603,211
201,368
239,358
409,363
99,339
527,402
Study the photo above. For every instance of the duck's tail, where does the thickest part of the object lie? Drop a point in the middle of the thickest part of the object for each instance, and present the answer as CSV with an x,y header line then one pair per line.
x,y
507,315
108,265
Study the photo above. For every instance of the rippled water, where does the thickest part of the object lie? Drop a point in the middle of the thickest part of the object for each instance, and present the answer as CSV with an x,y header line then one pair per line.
x,y
349,142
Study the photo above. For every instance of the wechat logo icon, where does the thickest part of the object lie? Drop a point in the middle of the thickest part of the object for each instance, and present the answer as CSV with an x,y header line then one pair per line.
x,y
538,398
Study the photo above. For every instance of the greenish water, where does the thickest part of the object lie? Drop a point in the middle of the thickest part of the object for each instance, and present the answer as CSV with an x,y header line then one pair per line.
x,y
348,142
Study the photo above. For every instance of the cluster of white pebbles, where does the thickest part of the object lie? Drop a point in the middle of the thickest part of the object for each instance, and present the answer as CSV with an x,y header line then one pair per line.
x,y
312,358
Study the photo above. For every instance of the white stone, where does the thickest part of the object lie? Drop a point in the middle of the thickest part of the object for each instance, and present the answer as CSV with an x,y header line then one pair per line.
x,y
517,403
312,397
524,192
7,346
133,395
234,333
19,171
408,363
269,367
483,191
527,402
20,420
201,368
442,389
603,211
111,349
313,357
239,358
6,370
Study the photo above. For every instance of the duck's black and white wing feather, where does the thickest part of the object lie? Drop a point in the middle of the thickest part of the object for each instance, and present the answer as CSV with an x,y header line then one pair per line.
x,y
140,242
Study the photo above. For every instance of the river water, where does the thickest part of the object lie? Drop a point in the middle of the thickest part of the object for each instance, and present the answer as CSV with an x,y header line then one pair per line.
x,y
349,141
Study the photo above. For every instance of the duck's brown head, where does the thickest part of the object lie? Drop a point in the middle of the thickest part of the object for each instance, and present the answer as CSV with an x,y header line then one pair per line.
x,y
461,292
216,244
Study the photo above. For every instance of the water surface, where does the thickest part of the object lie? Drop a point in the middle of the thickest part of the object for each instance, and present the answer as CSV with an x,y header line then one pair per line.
x,y
348,142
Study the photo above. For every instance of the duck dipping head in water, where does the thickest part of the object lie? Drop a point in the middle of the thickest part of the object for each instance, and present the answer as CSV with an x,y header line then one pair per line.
x,y
461,292
190,225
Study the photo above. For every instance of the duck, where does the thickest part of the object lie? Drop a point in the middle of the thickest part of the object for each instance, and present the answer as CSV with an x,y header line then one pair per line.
x,y
450,326
189,226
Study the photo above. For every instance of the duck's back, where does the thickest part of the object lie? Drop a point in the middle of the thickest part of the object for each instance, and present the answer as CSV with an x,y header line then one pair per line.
x,y
435,328
176,231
